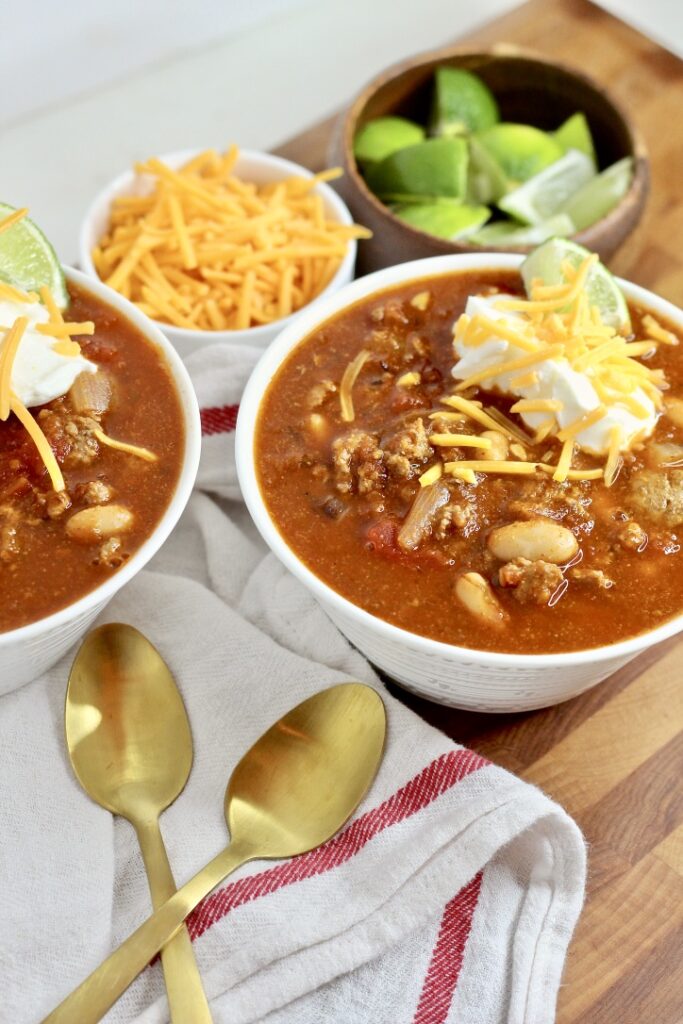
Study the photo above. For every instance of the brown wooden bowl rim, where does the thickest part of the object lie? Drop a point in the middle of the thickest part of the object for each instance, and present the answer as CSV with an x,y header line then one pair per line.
x,y
638,149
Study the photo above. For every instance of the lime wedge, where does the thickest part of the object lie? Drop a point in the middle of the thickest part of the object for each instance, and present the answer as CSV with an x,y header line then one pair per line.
x,y
602,289
436,167
384,136
486,182
520,149
547,193
510,232
444,220
575,134
28,261
599,196
461,103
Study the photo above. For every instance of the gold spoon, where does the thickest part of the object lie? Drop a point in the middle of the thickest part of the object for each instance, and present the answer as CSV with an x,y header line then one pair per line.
x,y
130,746
299,783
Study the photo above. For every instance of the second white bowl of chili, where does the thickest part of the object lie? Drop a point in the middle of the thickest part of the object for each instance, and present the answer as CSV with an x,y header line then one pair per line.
x,y
127,444
297,494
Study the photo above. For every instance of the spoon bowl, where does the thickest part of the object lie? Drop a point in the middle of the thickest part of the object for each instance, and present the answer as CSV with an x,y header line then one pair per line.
x,y
270,802
127,730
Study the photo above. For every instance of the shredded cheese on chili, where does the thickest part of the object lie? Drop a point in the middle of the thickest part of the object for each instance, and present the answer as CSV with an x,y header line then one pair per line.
x,y
123,446
557,323
346,386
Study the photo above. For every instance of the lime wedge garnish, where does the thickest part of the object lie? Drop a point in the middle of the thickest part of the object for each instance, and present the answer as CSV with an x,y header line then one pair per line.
x,y
28,261
436,167
520,149
575,134
444,220
384,136
510,232
486,182
547,192
599,196
461,103
601,288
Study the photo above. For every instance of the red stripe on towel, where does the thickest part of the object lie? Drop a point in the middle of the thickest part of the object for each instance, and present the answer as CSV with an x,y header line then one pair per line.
x,y
434,780
220,419
447,956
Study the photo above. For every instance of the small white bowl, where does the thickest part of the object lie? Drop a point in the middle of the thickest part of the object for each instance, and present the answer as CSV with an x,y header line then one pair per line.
x,y
259,168
28,651
456,676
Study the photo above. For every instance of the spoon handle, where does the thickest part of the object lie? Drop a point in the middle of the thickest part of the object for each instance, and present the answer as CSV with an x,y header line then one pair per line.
x,y
90,1001
186,998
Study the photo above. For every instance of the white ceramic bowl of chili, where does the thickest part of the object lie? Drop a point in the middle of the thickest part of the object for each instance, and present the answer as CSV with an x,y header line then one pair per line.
x,y
30,650
260,168
456,676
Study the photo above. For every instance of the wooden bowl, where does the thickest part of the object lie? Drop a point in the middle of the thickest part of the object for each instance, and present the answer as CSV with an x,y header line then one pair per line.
x,y
529,90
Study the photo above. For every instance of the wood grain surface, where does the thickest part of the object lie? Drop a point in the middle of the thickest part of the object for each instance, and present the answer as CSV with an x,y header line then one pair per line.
x,y
614,756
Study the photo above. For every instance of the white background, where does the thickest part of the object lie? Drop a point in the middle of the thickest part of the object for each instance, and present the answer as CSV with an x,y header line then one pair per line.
x,y
87,86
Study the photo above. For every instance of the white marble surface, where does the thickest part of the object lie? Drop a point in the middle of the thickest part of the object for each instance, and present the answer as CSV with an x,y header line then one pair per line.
x,y
104,84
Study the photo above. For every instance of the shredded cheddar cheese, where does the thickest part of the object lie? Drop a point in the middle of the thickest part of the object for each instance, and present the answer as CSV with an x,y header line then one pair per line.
x,y
654,330
40,441
460,441
564,465
346,386
204,250
557,322
123,446
474,411
13,218
10,347
486,466
408,380
431,475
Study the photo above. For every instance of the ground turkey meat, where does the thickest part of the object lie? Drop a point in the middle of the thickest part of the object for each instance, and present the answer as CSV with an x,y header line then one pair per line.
x,y
408,451
358,464
659,495
450,517
632,537
532,582
595,577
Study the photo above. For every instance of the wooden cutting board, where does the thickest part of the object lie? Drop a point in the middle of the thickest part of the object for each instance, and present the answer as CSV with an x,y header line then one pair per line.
x,y
613,757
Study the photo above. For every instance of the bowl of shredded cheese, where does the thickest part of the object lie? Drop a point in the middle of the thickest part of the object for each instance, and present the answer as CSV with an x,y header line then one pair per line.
x,y
220,247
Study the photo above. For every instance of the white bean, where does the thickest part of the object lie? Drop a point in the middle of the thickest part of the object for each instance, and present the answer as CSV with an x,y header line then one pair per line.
x,y
533,539
95,524
498,451
476,594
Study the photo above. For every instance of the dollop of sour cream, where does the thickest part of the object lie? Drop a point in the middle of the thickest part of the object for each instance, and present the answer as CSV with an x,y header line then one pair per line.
x,y
39,374
554,379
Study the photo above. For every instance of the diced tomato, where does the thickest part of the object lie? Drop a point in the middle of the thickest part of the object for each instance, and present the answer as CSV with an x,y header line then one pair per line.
x,y
381,536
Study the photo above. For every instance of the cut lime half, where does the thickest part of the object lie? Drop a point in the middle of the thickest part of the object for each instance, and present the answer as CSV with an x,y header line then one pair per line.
x,y
436,167
445,221
383,136
520,149
598,196
461,103
575,133
28,261
510,232
602,289
547,193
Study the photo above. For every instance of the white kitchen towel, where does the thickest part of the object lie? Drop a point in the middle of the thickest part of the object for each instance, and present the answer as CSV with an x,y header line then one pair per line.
x,y
449,899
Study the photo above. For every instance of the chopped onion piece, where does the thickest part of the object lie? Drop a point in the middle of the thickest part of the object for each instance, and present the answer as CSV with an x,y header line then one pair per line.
x,y
418,523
